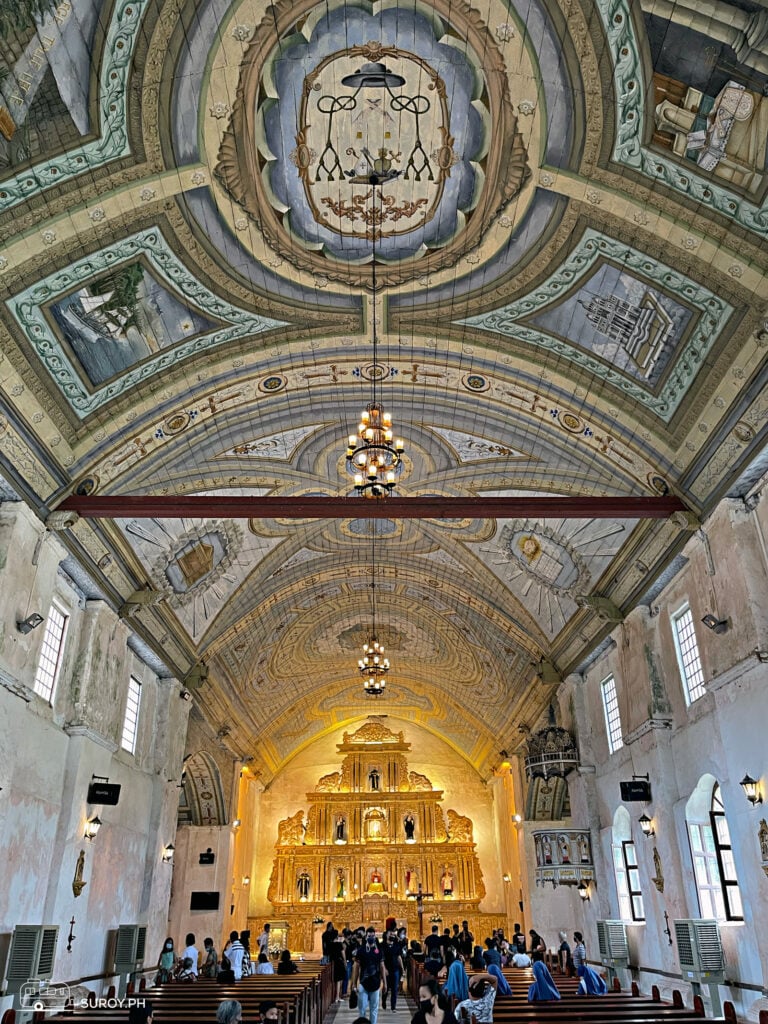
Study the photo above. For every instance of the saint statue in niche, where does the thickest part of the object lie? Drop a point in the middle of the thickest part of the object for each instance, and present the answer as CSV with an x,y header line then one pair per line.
x,y
546,847
375,884
446,882
565,850
340,889
340,825
583,849
409,825
374,778
303,884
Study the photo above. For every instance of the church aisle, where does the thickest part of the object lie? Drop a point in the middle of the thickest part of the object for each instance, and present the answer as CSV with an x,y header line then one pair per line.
x,y
340,1013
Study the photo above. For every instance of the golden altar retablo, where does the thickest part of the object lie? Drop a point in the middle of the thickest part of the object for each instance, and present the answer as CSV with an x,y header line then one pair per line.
x,y
373,832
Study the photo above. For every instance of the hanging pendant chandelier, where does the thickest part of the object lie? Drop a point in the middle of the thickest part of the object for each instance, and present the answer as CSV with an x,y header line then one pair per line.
x,y
373,454
373,661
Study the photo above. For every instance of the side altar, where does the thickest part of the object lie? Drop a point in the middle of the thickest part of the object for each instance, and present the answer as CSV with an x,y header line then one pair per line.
x,y
374,843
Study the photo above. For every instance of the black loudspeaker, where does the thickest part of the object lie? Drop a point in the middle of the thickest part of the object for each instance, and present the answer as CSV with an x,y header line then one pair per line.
x,y
204,901
637,789
208,857
103,793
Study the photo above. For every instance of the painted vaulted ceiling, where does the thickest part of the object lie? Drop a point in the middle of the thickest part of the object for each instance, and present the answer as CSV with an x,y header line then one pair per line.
x,y
570,247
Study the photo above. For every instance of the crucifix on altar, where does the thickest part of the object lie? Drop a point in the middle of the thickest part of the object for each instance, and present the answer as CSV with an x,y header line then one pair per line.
x,y
420,896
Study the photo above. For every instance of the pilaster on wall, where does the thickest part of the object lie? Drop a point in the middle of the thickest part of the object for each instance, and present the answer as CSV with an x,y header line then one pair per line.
x,y
190,875
501,785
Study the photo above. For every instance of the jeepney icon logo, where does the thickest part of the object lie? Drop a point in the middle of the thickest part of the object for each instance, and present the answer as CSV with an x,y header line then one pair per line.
x,y
374,147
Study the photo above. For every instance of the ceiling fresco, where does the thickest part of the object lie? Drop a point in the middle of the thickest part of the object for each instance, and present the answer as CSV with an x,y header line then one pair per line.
x,y
563,205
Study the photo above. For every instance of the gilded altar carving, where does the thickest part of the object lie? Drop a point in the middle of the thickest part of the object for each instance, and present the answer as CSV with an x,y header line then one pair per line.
x,y
459,828
290,831
441,833
372,732
372,835
310,836
418,781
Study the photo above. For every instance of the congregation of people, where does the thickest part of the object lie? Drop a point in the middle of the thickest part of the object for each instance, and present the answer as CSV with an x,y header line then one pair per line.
x,y
459,980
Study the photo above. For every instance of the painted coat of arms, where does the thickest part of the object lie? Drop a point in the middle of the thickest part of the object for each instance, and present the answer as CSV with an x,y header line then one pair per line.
x,y
374,146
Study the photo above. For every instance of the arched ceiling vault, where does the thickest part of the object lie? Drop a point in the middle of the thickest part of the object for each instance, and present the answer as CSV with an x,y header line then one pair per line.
x,y
569,234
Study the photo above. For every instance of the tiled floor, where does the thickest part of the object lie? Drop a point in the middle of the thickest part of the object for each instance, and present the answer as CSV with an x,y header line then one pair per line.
x,y
340,1013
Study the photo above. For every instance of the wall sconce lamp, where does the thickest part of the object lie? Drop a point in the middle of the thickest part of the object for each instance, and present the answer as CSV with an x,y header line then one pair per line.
x,y
31,622
506,878
168,853
751,789
716,625
185,695
583,890
517,818
646,824
92,827
236,823
246,879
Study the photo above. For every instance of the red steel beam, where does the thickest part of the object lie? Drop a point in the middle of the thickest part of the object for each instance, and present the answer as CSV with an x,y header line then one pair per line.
x,y
138,506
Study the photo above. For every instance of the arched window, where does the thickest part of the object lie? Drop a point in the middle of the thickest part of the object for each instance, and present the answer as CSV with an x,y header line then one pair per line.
x,y
713,865
625,868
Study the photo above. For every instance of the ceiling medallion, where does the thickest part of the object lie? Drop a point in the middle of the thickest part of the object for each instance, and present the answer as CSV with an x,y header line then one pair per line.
x,y
317,118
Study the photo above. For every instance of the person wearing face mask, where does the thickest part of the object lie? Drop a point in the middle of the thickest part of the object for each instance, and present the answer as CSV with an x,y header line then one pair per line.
x,y
393,966
368,977
166,963
432,1008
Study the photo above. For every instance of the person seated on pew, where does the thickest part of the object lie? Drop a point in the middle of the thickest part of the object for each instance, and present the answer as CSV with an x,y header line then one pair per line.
x,y
286,965
543,990
457,985
521,960
226,975
477,963
482,995
268,1010
229,1012
140,1014
433,1009
503,988
591,983
264,966
186,970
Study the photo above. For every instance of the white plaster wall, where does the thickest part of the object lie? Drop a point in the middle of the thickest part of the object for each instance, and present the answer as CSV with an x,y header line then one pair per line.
x,y
722,734
49,752
464,792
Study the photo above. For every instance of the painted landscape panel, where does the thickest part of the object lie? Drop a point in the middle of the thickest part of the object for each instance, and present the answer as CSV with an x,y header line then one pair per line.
x,y
121,318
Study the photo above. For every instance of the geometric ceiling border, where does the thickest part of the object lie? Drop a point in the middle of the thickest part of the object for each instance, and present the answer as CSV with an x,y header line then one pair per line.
x,y
117,56
629,85
25,308
715,313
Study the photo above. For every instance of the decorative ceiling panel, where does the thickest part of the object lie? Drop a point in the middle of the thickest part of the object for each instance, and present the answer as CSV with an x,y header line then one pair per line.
x,y
567,228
